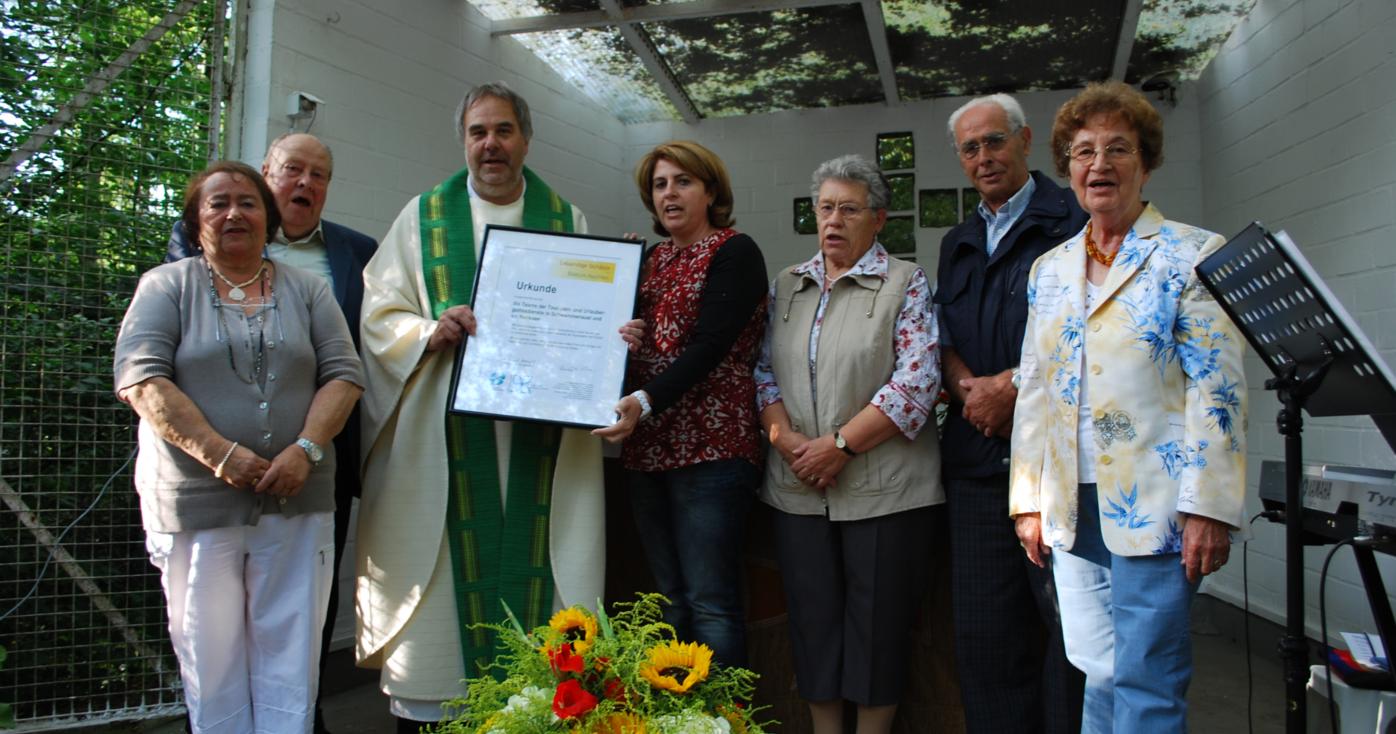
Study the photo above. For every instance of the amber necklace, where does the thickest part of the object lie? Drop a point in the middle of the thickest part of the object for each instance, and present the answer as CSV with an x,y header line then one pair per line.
x,y
1097,255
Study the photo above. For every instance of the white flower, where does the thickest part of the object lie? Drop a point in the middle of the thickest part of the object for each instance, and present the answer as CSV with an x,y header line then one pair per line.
x,y
689,722
532,703
529,697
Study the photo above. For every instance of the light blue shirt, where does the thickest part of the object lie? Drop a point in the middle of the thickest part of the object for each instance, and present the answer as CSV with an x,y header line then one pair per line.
x,y
306,253
999,223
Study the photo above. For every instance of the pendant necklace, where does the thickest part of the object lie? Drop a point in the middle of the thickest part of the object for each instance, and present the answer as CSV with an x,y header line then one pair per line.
x,y
236,291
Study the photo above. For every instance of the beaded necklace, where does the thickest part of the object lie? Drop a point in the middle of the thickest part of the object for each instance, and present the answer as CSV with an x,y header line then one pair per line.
x,y
259,359
1097,255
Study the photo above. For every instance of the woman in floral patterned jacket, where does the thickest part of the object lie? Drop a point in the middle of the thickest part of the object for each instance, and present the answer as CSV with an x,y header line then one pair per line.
x,y
1129,444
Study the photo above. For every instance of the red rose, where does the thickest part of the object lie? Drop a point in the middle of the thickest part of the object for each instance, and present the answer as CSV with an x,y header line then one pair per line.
x,y
563,660
572,701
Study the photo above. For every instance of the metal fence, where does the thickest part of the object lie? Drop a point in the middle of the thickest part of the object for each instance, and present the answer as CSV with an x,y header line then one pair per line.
x,y
104,114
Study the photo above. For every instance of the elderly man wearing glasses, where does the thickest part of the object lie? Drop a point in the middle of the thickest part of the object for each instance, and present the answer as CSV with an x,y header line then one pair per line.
x,y
1008,640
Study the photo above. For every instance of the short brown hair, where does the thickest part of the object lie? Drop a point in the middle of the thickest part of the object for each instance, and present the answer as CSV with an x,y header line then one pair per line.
x,y
195,191
1109,98
697,161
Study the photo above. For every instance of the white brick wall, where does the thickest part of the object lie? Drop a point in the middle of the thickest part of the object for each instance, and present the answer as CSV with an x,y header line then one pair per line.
x,y
391,74
1299,120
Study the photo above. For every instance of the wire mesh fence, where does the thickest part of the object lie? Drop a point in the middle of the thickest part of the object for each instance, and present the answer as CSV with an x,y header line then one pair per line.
x,y
83,211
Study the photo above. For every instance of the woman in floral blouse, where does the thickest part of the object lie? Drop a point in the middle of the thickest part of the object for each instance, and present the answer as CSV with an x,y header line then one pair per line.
x,y
691,441
848,375
1129,449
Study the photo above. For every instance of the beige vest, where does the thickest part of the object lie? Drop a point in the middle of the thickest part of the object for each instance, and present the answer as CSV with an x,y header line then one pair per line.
x,y
855,358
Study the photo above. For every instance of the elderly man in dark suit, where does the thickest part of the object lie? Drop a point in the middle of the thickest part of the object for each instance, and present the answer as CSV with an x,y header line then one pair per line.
x,y
1014,675
298,167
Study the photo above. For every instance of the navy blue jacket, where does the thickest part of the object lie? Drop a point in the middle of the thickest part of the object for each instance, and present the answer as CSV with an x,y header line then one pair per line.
x,y
348,251
984,308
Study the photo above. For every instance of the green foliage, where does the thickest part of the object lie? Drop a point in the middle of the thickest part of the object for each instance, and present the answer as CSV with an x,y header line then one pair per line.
x,y
896,151
903,191
899,235
805,222
970,198
79,222
609,656
777,60
940,207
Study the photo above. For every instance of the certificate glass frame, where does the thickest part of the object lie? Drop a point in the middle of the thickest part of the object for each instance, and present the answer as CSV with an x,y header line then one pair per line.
x,y
548,309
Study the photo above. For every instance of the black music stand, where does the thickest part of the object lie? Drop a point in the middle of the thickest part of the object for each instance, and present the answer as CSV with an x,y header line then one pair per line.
x,y
1321,363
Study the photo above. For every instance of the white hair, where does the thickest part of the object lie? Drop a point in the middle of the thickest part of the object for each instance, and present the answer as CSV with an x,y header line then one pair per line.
x,y
1016,120
857,169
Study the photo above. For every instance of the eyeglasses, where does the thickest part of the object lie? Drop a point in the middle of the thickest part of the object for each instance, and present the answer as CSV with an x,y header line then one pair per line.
x,y
296,170
846,211
993,143
1085,153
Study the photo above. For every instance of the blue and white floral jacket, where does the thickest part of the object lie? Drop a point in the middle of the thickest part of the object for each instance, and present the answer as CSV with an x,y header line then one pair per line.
x,y
1167,392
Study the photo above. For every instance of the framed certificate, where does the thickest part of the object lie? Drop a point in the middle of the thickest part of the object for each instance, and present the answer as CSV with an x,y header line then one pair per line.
x,y
548,309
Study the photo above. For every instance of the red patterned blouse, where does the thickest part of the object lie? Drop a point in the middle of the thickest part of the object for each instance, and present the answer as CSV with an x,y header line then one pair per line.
x,y
704,308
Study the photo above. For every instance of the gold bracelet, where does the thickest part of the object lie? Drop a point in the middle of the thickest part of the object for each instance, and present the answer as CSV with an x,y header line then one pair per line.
x,y
218,470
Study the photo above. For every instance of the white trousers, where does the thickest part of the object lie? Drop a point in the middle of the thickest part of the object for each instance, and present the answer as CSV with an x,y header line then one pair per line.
x,y
246,608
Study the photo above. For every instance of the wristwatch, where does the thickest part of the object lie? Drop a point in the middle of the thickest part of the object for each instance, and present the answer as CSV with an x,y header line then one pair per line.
x,y
842,445
312,450
1017,380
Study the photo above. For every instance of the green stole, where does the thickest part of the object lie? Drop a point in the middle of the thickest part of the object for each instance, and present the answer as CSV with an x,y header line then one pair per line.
x,y
497,553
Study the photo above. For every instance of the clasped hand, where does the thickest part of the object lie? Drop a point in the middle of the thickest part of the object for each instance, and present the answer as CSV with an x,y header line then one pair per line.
x,y
816,462
283,476
989,403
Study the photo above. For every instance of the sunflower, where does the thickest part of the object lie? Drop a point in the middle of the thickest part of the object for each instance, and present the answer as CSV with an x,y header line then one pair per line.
x,y
619,723
677,666
576,626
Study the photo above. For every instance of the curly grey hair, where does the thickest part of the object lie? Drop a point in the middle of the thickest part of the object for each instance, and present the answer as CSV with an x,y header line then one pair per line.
x,y
502,91
1016,119
856,168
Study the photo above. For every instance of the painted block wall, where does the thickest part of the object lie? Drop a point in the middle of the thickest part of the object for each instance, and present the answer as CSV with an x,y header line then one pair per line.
x,y
391,76
1298,120
770,158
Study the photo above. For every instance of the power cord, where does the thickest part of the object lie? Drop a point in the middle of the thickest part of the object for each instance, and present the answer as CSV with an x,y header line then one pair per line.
x,y
1273,516
57,542
1323,630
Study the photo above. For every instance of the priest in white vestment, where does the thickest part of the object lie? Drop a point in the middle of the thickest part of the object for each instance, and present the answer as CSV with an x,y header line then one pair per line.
x,y
406,596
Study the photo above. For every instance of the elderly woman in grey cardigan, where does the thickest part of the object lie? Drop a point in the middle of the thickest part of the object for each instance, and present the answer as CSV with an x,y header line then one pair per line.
x,y
845,384
242,372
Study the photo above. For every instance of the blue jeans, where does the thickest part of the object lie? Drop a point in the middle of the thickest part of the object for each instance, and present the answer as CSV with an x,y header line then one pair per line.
x,y
1125,622
691,522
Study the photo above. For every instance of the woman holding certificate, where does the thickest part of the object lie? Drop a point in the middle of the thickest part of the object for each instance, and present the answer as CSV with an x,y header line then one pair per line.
x,y
690,430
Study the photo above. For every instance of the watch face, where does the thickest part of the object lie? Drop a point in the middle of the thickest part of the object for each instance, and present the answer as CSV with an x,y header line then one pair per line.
x,y
839,442
314,452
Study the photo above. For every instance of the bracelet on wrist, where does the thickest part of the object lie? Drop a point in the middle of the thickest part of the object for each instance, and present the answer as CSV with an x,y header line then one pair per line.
x,y
218,470
644,401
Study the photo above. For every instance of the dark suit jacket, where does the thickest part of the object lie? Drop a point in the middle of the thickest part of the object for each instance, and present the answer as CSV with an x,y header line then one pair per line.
x,y
348,251
983,307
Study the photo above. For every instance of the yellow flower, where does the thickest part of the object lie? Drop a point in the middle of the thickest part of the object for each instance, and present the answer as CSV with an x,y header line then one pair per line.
x,y
577,626
677,666
619,723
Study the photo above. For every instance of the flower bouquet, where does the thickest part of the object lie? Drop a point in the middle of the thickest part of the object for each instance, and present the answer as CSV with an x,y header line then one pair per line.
x,y
598,674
